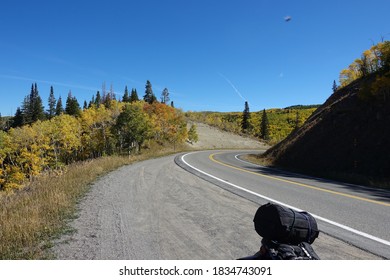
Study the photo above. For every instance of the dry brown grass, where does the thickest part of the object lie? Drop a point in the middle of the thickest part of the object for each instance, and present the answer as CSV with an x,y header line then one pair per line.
x,y
30,218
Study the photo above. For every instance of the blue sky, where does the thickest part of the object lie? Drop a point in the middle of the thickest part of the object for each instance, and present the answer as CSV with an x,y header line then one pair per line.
x,y
211,54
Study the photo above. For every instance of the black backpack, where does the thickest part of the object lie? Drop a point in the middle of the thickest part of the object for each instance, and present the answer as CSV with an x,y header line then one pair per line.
x,y
284,225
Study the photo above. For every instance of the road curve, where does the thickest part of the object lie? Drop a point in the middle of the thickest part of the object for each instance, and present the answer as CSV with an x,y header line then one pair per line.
x,y
155,210
354,214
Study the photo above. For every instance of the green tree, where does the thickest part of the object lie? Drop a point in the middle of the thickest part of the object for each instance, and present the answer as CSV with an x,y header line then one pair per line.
x,y
334,87
245,124
72,106
18,119
134,96
38,112
51,112
193,134
59,107
149,96
98,99
264,126
126,97
32,107
132,127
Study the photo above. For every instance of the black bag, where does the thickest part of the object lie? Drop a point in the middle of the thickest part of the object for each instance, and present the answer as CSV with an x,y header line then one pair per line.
x,y
285,225
277,251
271,250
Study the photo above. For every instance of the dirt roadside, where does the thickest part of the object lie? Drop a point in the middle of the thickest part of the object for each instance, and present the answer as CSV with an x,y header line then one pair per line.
x,y
156,210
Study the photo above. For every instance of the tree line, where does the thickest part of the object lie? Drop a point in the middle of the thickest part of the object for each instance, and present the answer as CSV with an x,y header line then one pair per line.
x,y
32,109
48,141
374,60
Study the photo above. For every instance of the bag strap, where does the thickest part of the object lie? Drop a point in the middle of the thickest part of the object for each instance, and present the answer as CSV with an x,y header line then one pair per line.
x,y
310,230
292,224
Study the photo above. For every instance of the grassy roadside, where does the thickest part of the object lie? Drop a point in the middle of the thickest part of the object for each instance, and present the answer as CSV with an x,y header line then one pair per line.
x,y
33,216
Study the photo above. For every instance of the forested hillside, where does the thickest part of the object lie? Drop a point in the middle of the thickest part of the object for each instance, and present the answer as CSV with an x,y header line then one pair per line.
x,y
41,141
280,122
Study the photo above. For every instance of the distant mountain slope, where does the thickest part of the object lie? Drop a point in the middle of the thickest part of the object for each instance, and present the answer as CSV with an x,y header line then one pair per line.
x,y
346,138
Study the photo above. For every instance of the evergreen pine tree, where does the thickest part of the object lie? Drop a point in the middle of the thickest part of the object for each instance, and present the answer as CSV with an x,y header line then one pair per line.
x,y
134,96
32,108
98,99
126,97
334,87
59,107
18,119
245,125
264,126
149,95
37,109
92,102
51,112
26,110
72,105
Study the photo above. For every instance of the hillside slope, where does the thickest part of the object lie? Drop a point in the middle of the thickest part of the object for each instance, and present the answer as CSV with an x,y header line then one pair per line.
x,y
347,138
214,138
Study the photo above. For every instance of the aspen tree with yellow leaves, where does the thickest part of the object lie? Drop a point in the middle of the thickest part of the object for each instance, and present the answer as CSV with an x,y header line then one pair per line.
x,y
75,135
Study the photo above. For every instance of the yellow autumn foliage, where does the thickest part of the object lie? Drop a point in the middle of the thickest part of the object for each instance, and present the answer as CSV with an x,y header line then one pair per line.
x,y
27,151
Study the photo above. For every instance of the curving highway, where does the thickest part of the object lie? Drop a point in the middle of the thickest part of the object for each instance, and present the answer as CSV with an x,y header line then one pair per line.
x,y
355,214
156,210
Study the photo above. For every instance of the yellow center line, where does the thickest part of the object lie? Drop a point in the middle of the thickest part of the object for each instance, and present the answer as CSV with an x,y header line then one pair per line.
x,y
211,157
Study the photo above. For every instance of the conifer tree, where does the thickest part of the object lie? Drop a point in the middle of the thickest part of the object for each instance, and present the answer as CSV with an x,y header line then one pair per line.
x,y
264,126
59,107
52,104
134,96
126,97
245,125
32,107
38,112
72,105
334,87
98,99
149,95
18,119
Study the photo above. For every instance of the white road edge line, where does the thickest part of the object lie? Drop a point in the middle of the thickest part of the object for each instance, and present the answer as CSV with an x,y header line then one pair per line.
x,y
366,235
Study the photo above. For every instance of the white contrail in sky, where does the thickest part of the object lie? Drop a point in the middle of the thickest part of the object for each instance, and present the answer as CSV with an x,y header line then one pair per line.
x,y
48,82
233,86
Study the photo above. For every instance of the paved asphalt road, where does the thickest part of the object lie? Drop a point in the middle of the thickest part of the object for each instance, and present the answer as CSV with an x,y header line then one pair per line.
x,y
156,210
354,214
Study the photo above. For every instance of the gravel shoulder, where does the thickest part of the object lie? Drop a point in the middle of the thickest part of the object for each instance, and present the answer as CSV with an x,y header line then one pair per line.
x,y
155,210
